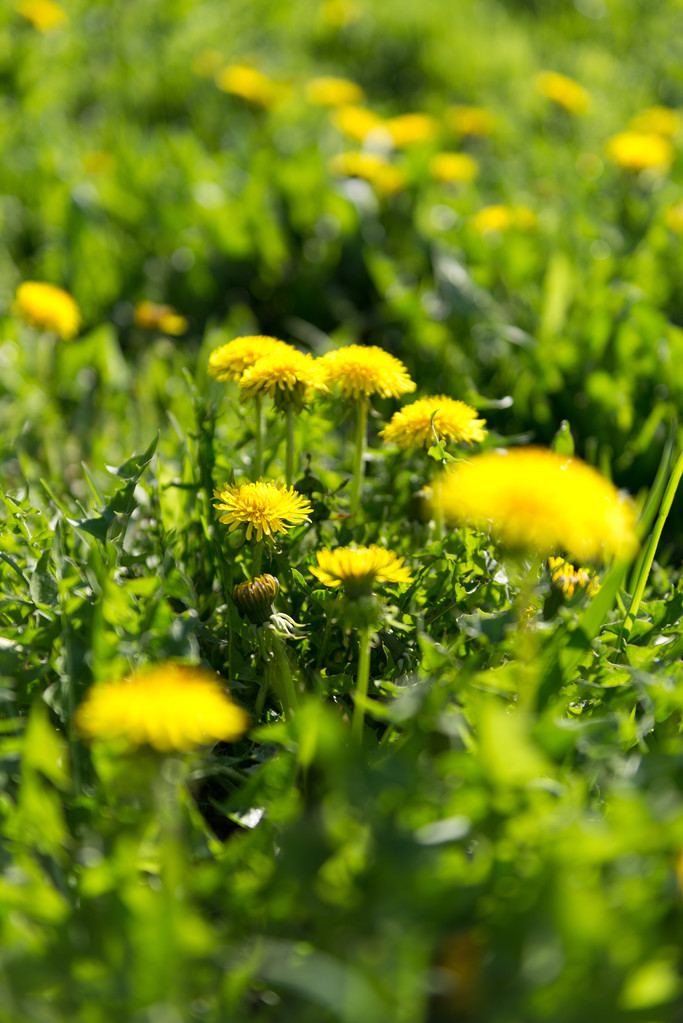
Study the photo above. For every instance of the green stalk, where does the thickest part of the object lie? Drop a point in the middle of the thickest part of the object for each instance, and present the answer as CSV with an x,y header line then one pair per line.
x,y
258,460
361,684
651,549
258,558
287,692
361,429
289,473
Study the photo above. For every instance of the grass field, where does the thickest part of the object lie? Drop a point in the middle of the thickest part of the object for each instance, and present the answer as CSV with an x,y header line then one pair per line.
x,y
340,576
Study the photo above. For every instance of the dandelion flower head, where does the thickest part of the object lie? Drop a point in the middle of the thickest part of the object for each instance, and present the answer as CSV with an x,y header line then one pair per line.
x,y
564,91
230,360
386,178
356,121
152,316
47,307
411,129
251,85
453,168
467,120
638,151
357,569
171,707
286,375
499,218
360,371
658,120
452,420
537,500
45,15
264,507
333,92
566,578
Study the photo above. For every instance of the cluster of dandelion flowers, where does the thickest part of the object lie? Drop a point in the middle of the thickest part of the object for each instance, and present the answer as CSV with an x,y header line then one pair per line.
x,y
567,579
47,307
639,151
361,371
357,569
534,499
287,375
229,361
170,707
414,425
154,316
563,91
264,507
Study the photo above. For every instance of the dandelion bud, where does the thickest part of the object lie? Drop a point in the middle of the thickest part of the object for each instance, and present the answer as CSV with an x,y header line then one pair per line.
x,y
255,599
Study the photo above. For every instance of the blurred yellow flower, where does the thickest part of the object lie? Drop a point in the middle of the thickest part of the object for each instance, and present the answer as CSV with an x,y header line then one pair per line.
x,y
411,129
250,84
357,569
47,307
464,120
356,122
170,707
638,151
503,218
568,579
361,371
150,316
657,121
673,217
230,360
564,91
265,507
452,421
535,499
45,15
385,177
286,374
453,168
333,92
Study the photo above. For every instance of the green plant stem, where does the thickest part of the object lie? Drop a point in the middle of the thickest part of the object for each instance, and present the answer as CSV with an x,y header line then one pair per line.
x,y
289,472
361,684
287,692
651,550
361,428
258,558
258,427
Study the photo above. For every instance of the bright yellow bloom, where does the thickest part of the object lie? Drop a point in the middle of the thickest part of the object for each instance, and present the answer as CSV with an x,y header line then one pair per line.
x,y
165,318
453,420
286,374
538,500
251,85
452,168
361,371
170,707
333,92
673,217
638,151
356,122
564,91
358,569
657,121
385,177
45,15
230,360
503,218
411,129
47,307
265,507
568,579
465,120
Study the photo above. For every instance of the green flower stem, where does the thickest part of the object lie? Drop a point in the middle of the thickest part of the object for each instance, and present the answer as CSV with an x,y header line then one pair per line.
x,y
437,505
286,689
259,429
361,429
289,473
651,550
258,558
361,684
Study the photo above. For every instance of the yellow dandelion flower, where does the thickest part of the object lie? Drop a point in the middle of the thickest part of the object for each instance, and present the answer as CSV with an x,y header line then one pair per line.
x,y
356,122
568,579
638,151
656,120
385,177
453,420
47,307
265,507
673,217
464,120
537,500
150,316
411,129
229,361
564,91
170,707
357,569
361,371
286,374
45,15
333,92
453,168
503,218
251,85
